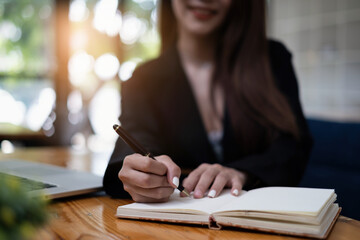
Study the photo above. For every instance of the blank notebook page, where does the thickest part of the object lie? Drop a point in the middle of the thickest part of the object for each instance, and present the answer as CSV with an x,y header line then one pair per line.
x,y
270,199
178,204
282,199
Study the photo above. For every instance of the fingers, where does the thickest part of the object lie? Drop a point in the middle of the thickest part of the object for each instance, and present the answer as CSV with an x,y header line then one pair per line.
x,y
144,164
213,178
201,178
237,183
173,170
142,180
218,185
147,180
207,177
159,194
191,181
236,189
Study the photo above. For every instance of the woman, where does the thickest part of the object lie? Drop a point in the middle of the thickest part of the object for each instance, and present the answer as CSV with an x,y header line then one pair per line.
x,y
221,100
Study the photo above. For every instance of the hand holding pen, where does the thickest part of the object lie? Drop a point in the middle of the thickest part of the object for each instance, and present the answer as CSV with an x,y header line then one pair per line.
x,y
146,178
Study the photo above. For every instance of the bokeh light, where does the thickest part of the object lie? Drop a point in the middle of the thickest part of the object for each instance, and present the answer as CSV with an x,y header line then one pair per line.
x,y
45,11
107,19
132,29
9,31
80,64
40,109
7,147
101,33
12,111
75,102
28,12
126,70
106,66
78,141
75,106
104,111
78,11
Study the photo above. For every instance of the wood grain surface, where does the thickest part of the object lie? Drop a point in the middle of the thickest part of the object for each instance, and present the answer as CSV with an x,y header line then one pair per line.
x,y
92,216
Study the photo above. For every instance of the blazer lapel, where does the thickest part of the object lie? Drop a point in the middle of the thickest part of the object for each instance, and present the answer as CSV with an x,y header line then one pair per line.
x,y
183,114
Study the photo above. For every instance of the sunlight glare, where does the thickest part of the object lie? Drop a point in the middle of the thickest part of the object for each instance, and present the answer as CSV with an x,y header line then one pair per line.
x,y
13,111
132,29
107,19
80,64
7,147
78,11
106,66
126,70
104,111
40,109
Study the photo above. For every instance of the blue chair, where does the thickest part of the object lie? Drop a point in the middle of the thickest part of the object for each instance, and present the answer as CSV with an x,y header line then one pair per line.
x,y
335,162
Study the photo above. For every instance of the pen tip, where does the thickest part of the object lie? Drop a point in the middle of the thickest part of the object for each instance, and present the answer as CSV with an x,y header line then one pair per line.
x,y
183,190
115,126
186,193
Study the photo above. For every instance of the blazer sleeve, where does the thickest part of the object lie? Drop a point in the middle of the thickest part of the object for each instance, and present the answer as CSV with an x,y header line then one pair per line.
x,y
138,117
285,160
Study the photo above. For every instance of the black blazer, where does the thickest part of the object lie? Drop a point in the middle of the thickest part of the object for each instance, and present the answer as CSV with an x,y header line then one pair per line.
x,y
158,108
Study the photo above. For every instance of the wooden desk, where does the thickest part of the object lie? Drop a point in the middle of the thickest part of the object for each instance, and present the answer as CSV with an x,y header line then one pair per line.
x,y
92,216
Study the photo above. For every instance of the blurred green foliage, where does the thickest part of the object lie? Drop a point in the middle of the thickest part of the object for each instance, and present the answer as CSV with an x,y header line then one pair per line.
x,y
25,37
20,214
149,48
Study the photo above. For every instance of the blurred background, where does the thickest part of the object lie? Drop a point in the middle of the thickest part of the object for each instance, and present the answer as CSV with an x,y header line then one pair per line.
x,y
324,37
62,64
61,68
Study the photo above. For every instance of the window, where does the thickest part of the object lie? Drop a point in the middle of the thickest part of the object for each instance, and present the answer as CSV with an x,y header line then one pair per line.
x,y
62,64
26,66
108,39
324,37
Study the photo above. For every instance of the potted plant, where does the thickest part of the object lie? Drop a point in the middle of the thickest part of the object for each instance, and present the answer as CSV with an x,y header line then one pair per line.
x,y
20,214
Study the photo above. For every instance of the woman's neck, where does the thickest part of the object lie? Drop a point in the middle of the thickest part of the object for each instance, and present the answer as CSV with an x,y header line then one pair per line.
x,y
197,55
198,50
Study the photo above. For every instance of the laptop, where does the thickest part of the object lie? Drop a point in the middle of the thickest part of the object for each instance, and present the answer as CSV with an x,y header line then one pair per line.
x,y
54,182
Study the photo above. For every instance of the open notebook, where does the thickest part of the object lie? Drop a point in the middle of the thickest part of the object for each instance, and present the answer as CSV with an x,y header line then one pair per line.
x,y
295,211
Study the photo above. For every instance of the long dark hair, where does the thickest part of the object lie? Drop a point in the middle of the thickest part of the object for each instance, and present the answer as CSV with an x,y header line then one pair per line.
x,y
258,110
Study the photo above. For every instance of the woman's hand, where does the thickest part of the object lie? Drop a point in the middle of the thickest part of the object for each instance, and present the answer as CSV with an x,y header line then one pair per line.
x,y
214,177
147,180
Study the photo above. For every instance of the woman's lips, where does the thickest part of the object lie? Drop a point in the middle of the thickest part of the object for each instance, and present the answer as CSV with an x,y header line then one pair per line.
x,y
202,13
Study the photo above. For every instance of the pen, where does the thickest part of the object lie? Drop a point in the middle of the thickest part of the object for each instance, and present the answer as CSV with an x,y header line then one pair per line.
x,y
139,149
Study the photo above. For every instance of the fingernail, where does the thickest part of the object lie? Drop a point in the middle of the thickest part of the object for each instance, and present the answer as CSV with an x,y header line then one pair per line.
x,y
198,194
176,181
212,193
236,192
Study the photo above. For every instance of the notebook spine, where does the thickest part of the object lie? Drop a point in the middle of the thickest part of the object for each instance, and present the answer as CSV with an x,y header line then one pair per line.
x,y
213,223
